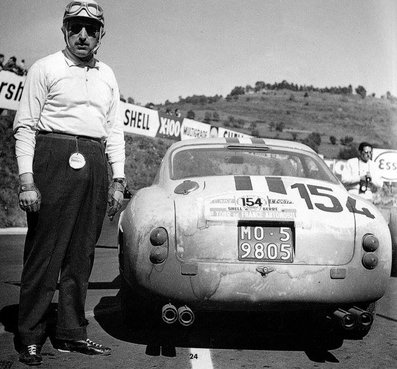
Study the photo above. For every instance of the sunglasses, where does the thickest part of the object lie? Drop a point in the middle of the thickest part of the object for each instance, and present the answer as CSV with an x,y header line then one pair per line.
x,y
91,29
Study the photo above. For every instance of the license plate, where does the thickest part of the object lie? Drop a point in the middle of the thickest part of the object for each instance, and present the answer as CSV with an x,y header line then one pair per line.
x,y
258,243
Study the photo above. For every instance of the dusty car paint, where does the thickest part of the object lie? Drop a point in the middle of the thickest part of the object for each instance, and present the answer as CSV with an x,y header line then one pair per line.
x,y
202,270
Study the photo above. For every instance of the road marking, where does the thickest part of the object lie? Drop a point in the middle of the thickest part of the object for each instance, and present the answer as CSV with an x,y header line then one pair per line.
x,y
200,358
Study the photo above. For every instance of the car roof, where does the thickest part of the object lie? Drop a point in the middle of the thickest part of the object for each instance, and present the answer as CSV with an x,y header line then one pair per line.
x,y
246,141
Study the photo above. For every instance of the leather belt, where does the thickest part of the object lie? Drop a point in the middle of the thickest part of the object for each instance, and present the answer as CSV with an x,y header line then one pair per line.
x,y
71,136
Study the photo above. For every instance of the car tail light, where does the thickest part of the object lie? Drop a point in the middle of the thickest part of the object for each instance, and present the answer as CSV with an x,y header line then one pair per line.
x,y
370,242
158,236
370,260
159,241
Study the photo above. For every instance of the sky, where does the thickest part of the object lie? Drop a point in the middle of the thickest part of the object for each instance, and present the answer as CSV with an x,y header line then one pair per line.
x,y
163,49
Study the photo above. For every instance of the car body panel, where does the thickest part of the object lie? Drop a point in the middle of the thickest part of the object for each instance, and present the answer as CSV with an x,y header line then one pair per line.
x,y
201,216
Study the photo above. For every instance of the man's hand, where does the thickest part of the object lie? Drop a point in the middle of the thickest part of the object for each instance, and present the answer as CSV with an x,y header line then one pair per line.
x,y
29,197
116,196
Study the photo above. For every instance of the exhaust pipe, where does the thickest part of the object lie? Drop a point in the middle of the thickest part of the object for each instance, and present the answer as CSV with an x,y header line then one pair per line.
x,y
185,316
345,318
169,314
364,318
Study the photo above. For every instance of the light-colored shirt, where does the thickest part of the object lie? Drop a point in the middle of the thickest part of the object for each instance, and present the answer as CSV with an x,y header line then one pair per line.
x,y
62,96
354,170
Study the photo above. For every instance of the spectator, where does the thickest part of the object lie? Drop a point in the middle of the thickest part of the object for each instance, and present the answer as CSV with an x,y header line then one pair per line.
x,y
177,113
11,65
360,175
151,106
21,68
168,111
1,61
214,131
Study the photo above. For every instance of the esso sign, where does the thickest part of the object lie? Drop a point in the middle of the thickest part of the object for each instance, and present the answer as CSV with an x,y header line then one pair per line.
x,y
387,164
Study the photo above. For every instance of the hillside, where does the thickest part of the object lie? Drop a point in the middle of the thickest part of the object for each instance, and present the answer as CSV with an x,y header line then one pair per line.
x,y
283,114
329,115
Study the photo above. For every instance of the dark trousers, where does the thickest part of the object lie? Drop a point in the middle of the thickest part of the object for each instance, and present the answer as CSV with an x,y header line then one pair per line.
x,y
61,237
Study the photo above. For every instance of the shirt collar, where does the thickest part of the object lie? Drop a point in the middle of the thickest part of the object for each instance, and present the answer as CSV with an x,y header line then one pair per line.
x,y
71,60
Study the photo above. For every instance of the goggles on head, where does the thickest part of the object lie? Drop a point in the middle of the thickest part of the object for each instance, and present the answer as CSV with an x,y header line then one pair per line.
x,y
93,11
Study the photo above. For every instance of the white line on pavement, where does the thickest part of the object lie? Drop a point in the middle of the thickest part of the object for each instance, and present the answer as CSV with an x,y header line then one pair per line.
x,y
200,358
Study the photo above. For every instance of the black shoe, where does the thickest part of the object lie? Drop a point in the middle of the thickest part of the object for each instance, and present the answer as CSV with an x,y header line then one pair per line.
x,y
30,355
87,347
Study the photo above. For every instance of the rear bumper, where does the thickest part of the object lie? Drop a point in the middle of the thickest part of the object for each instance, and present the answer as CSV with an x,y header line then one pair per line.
x,y
234,287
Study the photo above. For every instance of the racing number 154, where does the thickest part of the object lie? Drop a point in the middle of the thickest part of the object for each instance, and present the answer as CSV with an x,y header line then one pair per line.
x,y
307,191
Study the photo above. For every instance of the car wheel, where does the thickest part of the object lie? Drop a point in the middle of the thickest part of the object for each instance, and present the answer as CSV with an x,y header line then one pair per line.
x,y
393,232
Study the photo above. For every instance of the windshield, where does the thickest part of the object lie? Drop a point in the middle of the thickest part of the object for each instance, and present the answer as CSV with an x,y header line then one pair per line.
x,y
223,161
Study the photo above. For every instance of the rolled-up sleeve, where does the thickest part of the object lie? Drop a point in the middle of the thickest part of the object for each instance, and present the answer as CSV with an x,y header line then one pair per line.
x,y
28,114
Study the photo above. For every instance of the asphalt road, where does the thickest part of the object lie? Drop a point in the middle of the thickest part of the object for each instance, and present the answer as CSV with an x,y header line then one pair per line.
x,y
222,341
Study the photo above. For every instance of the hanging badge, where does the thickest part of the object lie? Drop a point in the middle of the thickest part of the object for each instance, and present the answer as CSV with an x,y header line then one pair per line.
x,y
76,160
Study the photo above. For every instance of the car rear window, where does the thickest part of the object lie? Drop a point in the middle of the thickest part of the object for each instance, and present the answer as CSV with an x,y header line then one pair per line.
x,y
208,161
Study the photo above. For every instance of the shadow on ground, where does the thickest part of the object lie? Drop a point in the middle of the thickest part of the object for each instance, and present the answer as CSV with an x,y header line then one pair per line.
x,y
220,330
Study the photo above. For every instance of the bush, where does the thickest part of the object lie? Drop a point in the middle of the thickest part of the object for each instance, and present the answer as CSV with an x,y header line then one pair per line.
x,y
207,117
313,140
280,126
143,158
348,152
255,133
10,213
191,114
360,90
347,140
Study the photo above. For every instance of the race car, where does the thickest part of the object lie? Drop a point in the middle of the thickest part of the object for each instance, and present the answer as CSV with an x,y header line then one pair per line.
x,y
252,225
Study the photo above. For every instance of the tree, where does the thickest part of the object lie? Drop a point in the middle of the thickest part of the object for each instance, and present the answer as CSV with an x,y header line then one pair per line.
x,y
238,90
360,90
280,126
347,140
348,152
255,133
207,117
215,116
313,140
248,88
260,85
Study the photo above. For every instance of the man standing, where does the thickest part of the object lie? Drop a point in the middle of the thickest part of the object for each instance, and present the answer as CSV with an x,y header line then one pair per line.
x,y
67,130
360,175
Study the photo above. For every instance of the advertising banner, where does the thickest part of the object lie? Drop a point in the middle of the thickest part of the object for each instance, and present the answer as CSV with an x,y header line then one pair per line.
x,y
11,87
386,161
139,120
152,123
